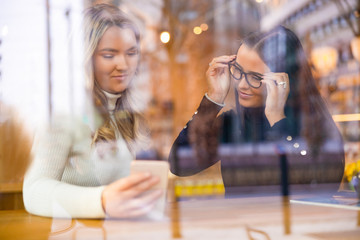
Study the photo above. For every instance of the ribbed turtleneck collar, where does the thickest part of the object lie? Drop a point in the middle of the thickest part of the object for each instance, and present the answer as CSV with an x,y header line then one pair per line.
x,y
111,99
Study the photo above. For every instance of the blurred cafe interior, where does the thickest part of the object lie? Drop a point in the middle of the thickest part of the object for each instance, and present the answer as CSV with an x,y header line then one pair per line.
x,y
41,75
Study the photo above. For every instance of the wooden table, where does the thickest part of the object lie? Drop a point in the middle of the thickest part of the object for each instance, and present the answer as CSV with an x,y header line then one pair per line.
x,y
267,217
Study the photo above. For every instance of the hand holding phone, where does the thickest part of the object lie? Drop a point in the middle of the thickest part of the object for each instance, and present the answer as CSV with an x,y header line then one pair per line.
x,y
161,170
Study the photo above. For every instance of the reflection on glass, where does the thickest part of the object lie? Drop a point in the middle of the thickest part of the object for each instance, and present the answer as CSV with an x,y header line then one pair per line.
x,y
282,116
81,163
15,147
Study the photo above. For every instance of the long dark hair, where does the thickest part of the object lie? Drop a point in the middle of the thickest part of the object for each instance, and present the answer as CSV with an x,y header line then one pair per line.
x,y
281,51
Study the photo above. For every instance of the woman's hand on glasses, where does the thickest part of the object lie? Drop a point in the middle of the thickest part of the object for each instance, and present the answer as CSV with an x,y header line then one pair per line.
x,y
277,92
218,79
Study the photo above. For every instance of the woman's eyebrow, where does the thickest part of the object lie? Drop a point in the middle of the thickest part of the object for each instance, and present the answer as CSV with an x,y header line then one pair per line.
x,y
133,48
256,73
237,64
251,72
115,50
108,50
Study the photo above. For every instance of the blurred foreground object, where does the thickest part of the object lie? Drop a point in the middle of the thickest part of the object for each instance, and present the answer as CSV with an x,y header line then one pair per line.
x,y
15,147
355,48
324,59
352,169
206,184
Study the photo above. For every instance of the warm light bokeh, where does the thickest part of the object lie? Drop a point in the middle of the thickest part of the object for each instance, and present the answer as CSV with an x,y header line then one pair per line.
x,y
165,37
197,30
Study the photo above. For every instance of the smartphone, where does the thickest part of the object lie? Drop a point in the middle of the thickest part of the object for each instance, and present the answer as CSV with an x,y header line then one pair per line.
x,y
156,168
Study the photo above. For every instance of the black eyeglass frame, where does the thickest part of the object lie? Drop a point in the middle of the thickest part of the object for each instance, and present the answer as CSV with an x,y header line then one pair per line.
x,y
237,66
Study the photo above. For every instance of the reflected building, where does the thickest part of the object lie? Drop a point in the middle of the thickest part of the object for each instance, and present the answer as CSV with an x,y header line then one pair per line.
x,y
299,17
174,73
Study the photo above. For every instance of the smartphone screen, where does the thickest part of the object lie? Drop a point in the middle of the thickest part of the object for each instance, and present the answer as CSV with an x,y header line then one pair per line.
x,y
156,168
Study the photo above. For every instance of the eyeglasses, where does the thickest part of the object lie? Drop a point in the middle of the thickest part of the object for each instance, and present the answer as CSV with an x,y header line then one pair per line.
x,y
252,78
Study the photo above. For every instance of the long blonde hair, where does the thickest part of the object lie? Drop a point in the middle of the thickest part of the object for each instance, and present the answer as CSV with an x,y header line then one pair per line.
x,y
128,119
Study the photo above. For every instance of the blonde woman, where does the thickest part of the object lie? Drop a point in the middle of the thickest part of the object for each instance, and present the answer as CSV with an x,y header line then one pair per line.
x,y
83,173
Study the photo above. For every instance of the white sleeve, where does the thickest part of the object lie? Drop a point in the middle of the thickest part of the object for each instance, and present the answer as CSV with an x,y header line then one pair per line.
x,y
43,192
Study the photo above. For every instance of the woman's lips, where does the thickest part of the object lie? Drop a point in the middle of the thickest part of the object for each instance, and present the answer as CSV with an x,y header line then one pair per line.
x,y
120,77
244,95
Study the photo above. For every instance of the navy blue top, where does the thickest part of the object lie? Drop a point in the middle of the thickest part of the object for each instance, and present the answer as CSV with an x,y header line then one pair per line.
x,y
245,142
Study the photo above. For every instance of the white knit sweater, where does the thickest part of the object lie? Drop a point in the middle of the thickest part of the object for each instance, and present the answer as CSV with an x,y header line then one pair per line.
x,y
67,175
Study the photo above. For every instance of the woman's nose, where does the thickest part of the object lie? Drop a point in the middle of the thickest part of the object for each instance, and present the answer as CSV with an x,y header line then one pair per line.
x,y
243,83
121,63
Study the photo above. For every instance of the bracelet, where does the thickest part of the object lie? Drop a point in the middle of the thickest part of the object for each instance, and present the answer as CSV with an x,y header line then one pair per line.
x,y
220,104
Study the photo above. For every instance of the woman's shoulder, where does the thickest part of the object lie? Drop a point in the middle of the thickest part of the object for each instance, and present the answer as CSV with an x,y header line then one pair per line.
x,y
65,125
67,121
